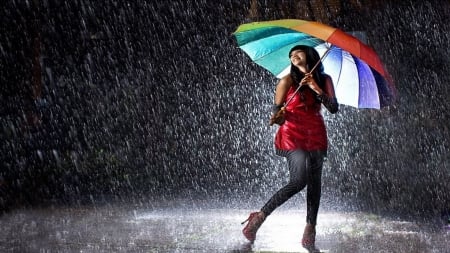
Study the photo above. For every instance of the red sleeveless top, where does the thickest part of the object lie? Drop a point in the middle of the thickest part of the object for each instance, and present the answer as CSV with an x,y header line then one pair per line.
x,y
304,127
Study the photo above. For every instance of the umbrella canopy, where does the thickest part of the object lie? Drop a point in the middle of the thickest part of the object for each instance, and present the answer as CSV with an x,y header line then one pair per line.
x,y
358,75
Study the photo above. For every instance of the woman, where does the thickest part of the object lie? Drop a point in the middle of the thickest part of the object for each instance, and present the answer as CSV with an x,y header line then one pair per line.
x,y
301,137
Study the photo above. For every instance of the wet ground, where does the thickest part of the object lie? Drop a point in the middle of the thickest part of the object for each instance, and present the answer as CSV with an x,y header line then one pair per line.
x,y
195,229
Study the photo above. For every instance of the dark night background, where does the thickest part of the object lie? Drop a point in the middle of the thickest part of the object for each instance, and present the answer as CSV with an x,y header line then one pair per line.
x,y
141,101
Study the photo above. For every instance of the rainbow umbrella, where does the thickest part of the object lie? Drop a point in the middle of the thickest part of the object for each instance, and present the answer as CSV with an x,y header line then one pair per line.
x,y
358,75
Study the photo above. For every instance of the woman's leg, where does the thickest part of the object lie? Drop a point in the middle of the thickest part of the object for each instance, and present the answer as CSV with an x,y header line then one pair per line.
x,y
313,193
297,181
297,161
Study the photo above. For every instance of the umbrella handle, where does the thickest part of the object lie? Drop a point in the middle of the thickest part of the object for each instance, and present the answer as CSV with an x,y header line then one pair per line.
x,y
312,70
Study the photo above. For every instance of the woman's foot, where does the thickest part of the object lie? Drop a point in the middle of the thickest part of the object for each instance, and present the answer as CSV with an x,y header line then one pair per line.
x,y
255,221
309,236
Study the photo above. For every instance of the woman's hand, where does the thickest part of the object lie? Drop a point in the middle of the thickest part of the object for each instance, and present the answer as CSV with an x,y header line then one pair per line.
x,y
311,83
278,117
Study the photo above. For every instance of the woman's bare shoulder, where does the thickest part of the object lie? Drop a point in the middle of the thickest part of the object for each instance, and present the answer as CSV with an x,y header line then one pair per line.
x,y
286,80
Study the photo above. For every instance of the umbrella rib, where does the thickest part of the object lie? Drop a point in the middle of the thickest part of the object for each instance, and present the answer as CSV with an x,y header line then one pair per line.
x,y
339,78
341,69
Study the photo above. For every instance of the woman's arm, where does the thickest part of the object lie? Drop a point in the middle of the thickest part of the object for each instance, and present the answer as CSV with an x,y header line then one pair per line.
x,y
328,97
280,98
281,90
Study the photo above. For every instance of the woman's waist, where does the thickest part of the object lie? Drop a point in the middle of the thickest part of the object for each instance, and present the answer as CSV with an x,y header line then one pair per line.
x,y
303,113
304,108
306,126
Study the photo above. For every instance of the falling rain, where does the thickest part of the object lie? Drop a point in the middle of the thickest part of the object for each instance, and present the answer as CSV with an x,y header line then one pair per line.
x,y
146,116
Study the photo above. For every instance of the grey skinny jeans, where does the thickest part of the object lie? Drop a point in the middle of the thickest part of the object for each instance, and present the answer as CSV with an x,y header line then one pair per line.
x,y
305,169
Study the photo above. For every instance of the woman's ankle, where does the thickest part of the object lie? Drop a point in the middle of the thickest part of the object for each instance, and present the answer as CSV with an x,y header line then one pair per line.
x,y
310,228
262,215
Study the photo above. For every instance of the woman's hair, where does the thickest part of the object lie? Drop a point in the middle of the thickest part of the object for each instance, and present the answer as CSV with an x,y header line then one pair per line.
x,y
312,57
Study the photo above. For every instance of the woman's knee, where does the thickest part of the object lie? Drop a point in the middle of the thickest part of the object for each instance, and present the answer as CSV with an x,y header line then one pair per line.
x,y
296,185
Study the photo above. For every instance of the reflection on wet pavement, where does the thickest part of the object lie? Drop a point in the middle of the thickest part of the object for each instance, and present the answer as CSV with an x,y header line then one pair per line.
x,y
126,229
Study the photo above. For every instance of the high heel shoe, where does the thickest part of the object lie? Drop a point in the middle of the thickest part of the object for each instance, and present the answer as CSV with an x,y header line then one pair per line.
x,y
309,236
255,221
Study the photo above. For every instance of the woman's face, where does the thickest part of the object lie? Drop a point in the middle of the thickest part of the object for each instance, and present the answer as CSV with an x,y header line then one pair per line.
x,y
298,58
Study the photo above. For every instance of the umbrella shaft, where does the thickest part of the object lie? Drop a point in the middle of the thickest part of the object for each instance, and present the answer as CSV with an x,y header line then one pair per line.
x,y
321,58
